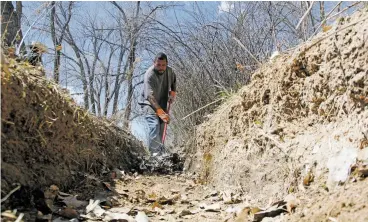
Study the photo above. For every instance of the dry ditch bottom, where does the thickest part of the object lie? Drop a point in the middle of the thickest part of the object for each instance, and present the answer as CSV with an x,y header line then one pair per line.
x,y
144,197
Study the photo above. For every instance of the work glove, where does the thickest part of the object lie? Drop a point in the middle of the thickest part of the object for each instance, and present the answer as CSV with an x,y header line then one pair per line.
x,y
172,96
161,113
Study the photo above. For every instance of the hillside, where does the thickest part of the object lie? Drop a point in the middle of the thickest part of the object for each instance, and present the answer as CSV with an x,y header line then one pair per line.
x,y
46,139
304,113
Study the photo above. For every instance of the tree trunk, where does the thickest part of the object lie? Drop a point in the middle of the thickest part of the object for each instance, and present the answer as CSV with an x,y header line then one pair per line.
x,y
118,80
91,76
58,40
312,19
322,11
131,58
57,67
107,84
82,70
19,8
11,23
55,42
128,108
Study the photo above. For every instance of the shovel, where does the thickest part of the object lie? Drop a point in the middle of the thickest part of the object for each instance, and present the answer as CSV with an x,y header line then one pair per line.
x,y
165,127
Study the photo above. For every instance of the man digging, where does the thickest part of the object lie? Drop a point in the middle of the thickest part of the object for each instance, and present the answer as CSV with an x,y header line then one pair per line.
x,y
159,90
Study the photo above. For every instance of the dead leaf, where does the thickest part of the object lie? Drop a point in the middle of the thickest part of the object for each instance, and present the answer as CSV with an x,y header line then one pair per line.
x,y
61,219
226,196
68,213
170,211
141,194
98,211
8,214
363,144
185,213
71,201
50,195
308,179
213,208
255,210
174,191
148,212
190,187
270,212
291,203
112,216
122,210
176,197
58,48
325,28
240,67
359,170
363,172
141,217
213,194
243,215
92,204
163,200
279,203
156,204
62,194
152,197
41,217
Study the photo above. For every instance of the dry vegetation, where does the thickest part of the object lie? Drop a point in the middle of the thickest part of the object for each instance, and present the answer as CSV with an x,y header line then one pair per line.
x,y
282,133
47,139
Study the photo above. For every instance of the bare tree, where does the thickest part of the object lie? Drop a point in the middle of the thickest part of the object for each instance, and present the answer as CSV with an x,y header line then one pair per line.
x,y
133,36
58,26
79,61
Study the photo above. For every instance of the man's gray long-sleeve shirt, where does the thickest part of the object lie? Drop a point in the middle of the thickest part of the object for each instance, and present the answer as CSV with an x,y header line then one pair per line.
x,y
159,85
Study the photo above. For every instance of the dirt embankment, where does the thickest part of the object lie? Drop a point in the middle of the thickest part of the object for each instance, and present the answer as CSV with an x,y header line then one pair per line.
x,y
304,114
46,139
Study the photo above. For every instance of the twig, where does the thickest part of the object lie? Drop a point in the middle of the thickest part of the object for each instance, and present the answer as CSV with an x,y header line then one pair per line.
x,y
344,9
325,19
304,16
19,217
10,193
241,44
221,87
345,27
201,108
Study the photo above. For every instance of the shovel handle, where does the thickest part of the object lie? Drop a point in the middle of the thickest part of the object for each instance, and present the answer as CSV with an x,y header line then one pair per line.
x,y
165,127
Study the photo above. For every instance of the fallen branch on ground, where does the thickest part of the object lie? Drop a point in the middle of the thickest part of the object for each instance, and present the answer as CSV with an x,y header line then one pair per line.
x,y
10,193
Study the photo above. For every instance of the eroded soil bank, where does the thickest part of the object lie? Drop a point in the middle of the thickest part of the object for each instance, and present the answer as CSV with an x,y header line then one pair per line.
x,y
299,128
46,139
